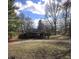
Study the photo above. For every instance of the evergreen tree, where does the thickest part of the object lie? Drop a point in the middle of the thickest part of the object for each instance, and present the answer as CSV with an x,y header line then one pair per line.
x,y
13,22
40,25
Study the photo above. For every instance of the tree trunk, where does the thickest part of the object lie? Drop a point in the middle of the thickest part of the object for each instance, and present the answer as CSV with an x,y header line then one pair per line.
x,y
65,21
55,26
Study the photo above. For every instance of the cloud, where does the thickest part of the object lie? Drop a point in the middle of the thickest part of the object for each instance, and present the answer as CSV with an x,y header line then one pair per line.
x,y
64,1
36,8
18,4
17,12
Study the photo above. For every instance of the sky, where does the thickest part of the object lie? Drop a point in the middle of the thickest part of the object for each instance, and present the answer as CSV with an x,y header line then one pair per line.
x,y
32,8
35,9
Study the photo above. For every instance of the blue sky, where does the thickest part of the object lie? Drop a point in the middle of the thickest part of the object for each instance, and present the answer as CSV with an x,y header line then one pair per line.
x,y
32,15
23,1
35,9
32,8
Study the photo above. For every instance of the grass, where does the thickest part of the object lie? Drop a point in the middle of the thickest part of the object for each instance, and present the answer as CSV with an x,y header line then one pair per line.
x,y
59,37
40,50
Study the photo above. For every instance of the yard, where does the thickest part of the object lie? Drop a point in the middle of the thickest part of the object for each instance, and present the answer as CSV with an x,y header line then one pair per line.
x,y
39,49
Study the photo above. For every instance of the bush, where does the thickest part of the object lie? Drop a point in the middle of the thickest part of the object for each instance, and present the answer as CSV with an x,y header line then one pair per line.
x,y
11,35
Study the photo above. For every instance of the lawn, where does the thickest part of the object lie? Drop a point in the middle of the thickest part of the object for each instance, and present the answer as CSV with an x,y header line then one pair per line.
x,y
59,37
39,50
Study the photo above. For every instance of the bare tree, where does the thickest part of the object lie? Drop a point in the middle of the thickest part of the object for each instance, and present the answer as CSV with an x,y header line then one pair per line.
x,y
66,7
27,24
52,11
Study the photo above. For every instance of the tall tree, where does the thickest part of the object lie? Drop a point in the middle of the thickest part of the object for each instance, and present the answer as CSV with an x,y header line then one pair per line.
x,y
66,7
52,11
40,25
13,22
27,23
11,9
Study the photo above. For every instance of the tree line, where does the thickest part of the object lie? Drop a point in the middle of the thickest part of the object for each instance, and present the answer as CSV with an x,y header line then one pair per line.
x,y
57,20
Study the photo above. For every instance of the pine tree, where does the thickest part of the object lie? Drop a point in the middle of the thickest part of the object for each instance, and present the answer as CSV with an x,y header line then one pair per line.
x,y
40,25
13,22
